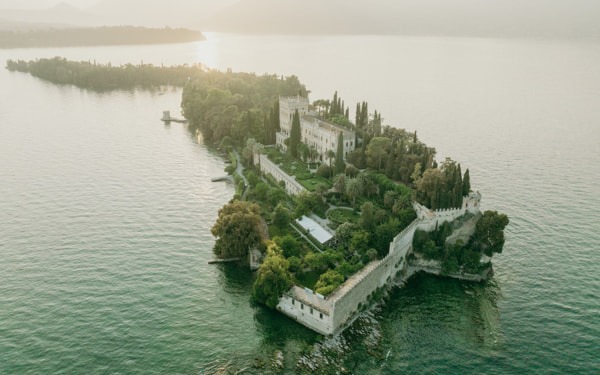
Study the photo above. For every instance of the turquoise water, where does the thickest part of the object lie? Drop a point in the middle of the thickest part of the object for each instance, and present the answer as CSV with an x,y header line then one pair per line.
x,y
105,215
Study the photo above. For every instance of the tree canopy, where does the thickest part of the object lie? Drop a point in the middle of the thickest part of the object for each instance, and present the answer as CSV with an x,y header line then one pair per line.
x,y
237,229
489,232
273,277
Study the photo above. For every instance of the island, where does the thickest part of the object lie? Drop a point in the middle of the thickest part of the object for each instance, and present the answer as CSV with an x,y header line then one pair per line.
x,y
332,212
329,212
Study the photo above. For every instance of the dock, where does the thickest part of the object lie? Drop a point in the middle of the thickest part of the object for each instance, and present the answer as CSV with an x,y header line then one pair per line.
x,y
228,260
166,117
222,178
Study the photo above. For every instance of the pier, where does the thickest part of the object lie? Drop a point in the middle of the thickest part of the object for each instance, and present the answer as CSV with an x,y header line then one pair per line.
x,y
228,260
166,117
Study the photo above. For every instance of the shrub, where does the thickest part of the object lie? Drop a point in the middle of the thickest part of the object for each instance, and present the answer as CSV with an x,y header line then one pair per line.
x,y
324,171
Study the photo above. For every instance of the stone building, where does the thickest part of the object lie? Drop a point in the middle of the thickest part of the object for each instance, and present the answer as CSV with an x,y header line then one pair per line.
x,y
315,132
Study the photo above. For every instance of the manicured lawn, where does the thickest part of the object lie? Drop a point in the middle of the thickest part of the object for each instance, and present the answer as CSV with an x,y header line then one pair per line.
x,y
340,216
297,168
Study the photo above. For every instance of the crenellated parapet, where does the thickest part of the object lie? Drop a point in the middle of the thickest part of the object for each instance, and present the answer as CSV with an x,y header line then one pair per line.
x,y
471,204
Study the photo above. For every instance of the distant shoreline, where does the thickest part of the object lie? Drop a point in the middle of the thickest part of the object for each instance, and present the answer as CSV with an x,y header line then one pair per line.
x,y
98,36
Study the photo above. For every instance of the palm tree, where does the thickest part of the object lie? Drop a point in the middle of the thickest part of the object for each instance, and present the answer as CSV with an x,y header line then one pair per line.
x,y
354,189
389,198
320,190
313,153
339,183
330,155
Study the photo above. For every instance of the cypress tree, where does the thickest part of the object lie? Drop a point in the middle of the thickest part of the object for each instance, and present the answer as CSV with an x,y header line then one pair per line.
x,y
466,183
295,134
459,187
334,104
339,155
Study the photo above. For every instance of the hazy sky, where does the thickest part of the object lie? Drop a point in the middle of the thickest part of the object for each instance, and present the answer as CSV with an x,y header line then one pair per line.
x,y
529,18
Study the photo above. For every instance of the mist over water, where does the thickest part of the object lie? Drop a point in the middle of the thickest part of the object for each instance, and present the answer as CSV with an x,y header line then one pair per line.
x,y
105,213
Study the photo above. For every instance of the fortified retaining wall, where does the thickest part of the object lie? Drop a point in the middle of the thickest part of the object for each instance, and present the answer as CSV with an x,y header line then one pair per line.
x,y
331,314
266,166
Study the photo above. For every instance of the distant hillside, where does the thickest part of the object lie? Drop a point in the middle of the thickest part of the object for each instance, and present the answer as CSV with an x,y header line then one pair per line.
x,y
157,13
62,14
506,18
117,35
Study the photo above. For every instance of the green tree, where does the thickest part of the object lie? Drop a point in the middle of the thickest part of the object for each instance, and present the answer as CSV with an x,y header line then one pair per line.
x,y
359,243
328,282
330,155
367,216
466,183
376,151
339,183
489,232
354,189
295,134
289,244
324,170
339,155
281,216
307,202
343,234
273,278
237,229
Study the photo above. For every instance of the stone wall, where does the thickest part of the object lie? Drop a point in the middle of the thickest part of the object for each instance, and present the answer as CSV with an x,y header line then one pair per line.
x,y
375,275
309,309
332,314
266,166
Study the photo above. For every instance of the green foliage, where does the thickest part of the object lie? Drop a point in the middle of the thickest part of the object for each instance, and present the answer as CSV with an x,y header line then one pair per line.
x,y
351,170
341,216
489,232
237,229
295,135
289,244
441,187
239,105
384,234
377,152
348,269
328,282
281,216
339,155
99,77
295,264
487,239
307,202
273,278
324,171
466,187
359,242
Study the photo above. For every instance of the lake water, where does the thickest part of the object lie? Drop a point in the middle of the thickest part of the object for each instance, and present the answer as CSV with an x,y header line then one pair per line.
x,y
105,213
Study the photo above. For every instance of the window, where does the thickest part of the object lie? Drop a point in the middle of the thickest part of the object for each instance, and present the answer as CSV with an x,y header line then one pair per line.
x,y
301,306
293,301
321,315
311,310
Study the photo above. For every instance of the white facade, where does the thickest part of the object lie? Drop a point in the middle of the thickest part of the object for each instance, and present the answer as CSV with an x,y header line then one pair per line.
x,y
321,135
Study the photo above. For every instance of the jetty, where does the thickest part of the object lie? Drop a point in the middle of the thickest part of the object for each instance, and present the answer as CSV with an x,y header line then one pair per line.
x,y
222,178
228,260
166,117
